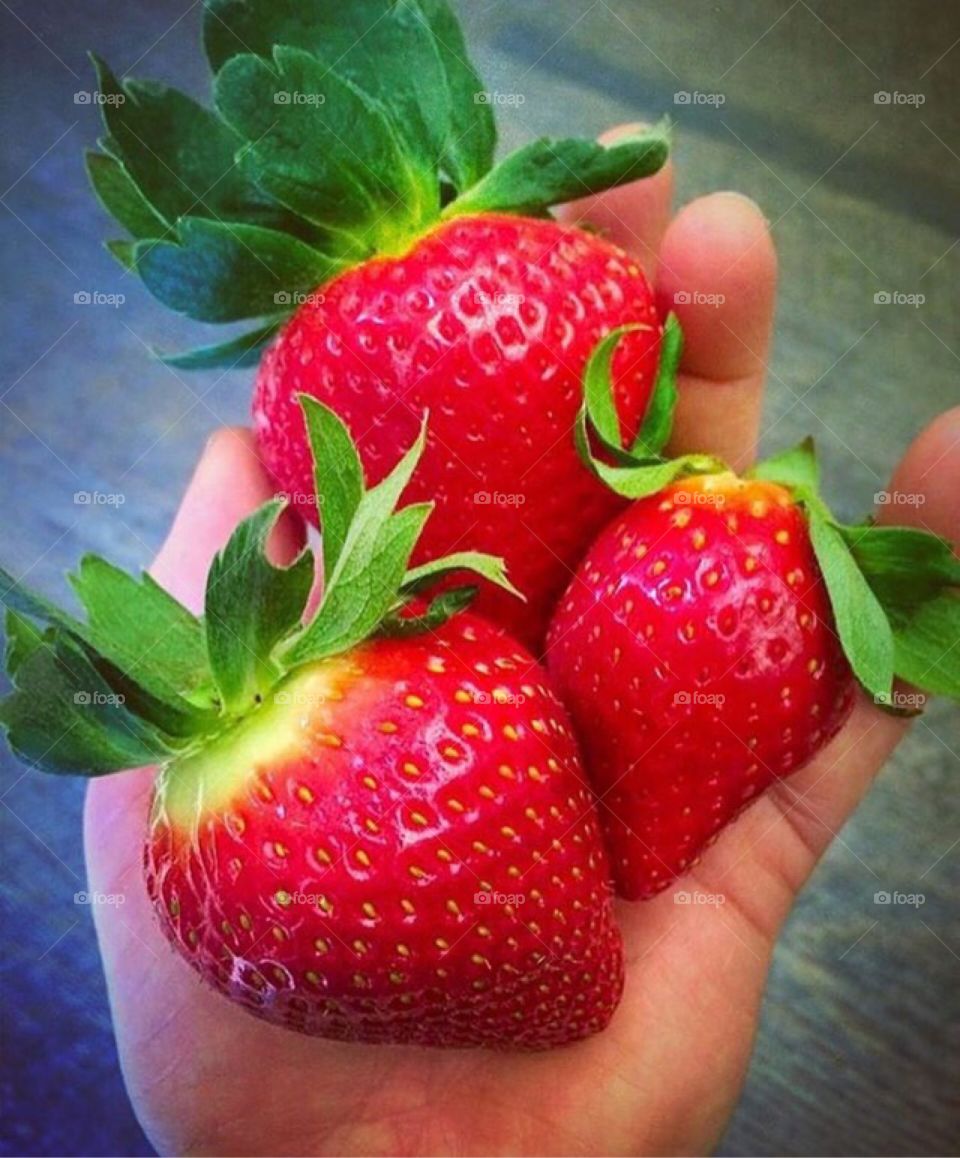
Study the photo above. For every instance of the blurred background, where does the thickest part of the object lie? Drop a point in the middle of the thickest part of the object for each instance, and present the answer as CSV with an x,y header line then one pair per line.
x,y
841,120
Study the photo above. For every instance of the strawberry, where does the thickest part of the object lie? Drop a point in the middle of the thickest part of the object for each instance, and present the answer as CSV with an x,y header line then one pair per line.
x,y
712,638
344,194
373,826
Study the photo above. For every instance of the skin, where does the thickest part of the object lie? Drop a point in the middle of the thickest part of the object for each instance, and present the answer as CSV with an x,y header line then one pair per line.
x,y
206,1078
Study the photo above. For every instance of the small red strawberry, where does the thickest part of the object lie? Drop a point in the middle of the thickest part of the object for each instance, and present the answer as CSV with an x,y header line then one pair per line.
x,y
371,827
711,640
344,194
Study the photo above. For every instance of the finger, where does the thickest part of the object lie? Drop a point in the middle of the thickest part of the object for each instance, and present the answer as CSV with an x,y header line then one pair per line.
x,y
718,273
228,484
760,863
633,216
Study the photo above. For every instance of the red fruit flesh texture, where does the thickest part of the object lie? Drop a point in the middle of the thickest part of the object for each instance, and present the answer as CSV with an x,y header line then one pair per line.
x,y
487,323
697,654
406,851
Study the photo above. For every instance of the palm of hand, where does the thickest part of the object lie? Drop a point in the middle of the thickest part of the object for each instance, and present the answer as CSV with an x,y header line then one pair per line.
x,y
206,1077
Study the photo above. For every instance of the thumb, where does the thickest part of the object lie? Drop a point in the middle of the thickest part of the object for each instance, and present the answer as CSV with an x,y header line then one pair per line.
x,y
228,484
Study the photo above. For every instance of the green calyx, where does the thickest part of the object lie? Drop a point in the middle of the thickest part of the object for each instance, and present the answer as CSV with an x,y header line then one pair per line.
x,y
894,591
339,131
141,680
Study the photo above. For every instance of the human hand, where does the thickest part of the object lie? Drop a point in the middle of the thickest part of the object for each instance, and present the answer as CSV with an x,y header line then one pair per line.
x,y
206,1078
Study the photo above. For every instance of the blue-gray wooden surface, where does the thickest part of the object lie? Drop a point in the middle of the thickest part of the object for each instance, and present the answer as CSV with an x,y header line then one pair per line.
x,y
858,1048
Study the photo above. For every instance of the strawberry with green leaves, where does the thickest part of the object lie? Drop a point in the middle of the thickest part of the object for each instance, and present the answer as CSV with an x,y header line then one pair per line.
x,y
372,825
713,638
343,195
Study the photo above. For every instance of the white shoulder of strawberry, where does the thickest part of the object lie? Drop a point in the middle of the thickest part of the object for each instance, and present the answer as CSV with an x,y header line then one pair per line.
x,y
338,132
140,680
894,591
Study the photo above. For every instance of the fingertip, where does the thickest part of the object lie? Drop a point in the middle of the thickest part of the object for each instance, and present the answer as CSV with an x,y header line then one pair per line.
x,y
228,484
634,216
924,486
718,273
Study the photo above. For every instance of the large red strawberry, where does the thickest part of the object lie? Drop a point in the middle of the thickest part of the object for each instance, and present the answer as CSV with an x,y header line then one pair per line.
x,y
711,639
344,193
373,827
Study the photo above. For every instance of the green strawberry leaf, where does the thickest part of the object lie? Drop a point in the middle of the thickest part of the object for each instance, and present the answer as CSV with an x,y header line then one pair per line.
x,y
124,252
862,623
657,423
927,645
390,49
250,606
181,156
325,148
364,585
904,566
440,609
649,477
120,195
489,567
144,632
471,136
221,272
796,468
598,411
234,354
63,716
549,171
23,639
338,476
